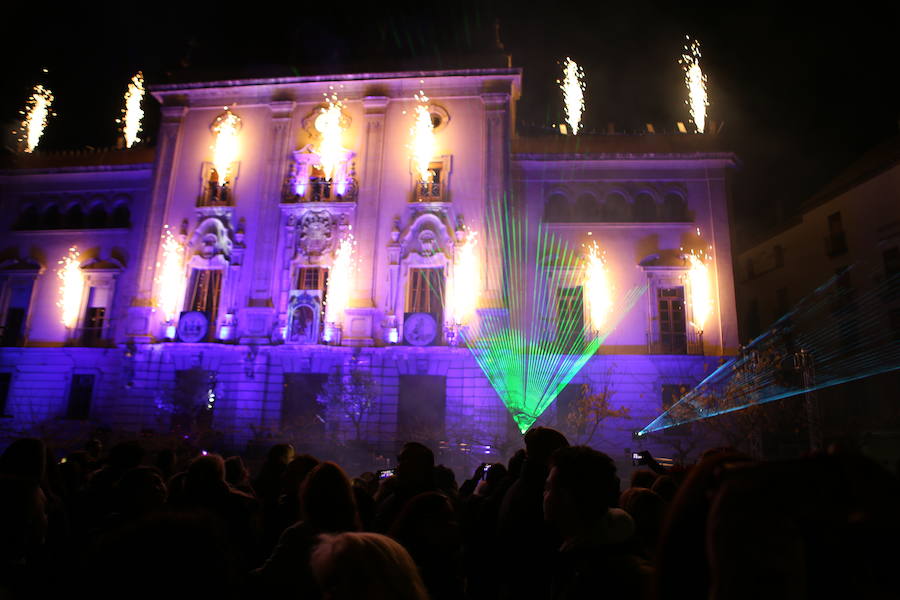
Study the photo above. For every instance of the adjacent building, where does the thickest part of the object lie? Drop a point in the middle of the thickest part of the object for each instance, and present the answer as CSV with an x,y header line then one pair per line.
x,y
847,234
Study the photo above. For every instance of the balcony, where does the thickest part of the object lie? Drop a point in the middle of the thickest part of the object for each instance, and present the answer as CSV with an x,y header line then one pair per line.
x,y
215,195
688,344
429,191
319,189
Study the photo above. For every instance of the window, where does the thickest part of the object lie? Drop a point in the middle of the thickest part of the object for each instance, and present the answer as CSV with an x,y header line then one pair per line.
x,y
203,295
891,258
81,391
300,406
18,298
782,303
672,322
312,278
422,407
836,242
644,208
431,190
752,321
426,292
570,316
5,384
95,315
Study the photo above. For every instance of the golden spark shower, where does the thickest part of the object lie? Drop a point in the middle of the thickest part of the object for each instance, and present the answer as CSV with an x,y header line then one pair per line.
x,y
37,111
423,142
133,113
701,289
340,281
597,287
695,81
572,86
466,280
71,287
226,147
171,278
328,123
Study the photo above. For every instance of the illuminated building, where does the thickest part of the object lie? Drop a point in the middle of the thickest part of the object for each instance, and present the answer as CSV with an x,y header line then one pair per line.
x,y
255,239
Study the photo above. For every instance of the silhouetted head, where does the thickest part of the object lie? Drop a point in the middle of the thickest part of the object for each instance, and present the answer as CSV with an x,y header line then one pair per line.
x,y
582,485
26,459
542,442
126,455
351,566
280,453
643,478
140,490
515,463
415,462
327,501
205,472
297,471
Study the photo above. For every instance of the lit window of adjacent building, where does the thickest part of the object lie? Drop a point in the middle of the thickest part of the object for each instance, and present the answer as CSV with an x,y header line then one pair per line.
x,y
836,242
782,303
891,258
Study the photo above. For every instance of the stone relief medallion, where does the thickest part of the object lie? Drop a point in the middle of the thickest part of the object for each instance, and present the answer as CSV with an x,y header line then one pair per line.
x,y
427,243
316,232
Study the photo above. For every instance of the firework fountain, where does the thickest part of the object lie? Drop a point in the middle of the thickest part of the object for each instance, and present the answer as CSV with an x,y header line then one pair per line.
x,y
572,86
36,113
71,287
695,81
133,113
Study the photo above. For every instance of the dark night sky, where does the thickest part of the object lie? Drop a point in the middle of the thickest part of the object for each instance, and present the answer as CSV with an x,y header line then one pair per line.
x,y
802,90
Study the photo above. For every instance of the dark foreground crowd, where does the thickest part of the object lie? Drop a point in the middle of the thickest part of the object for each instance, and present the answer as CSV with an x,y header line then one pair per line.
x,y
551,524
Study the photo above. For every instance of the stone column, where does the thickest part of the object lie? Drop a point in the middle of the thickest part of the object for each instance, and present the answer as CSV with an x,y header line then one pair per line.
x,y
369,237
143,321
496,182
257,319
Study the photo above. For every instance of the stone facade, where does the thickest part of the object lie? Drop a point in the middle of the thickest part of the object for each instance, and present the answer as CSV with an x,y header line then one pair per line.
x,y
265,243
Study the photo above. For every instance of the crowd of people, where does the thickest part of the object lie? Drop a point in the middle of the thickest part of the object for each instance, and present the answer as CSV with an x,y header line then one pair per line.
x,y
553,523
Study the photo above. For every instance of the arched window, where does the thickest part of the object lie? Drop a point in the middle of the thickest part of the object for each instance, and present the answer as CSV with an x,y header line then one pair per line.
x,y
674,208
557,209
121,216
644,208
74,217
617,208
29,218
587,209
52,218
97,216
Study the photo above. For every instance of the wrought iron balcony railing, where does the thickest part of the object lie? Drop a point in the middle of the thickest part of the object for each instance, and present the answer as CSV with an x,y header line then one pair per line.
x,y
318,189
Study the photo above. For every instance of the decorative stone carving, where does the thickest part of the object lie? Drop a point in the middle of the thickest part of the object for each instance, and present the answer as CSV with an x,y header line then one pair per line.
x,y
316,233
429,234
211,243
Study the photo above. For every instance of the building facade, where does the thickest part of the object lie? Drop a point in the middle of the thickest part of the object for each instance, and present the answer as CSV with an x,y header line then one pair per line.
x,y
847,237
224,296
